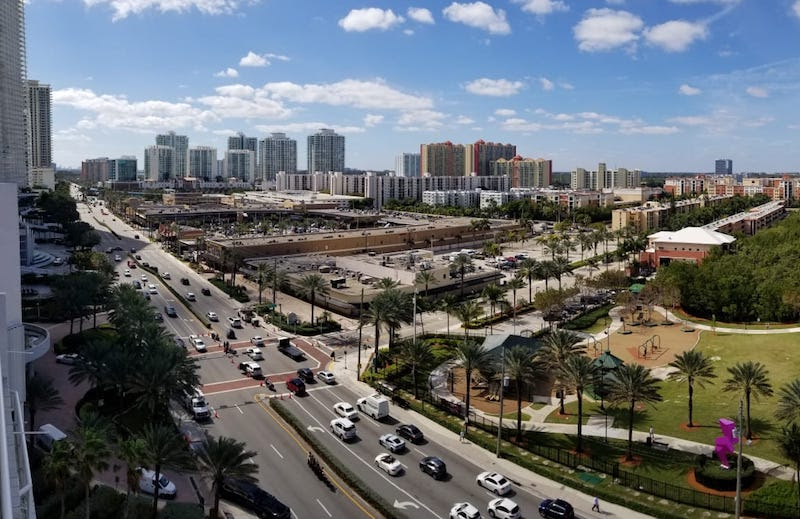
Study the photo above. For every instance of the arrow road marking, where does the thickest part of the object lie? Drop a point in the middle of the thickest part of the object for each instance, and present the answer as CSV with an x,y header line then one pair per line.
x,y
405,504
313,428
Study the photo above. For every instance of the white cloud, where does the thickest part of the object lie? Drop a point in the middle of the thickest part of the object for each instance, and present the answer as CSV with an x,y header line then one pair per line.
x,y
566,86
360,20
494,87
756,91
546,84
408,32
723,2
253,60
243,101
606,29
70,135
517,124
420,14
689,90
349,92
418,120
796,8
649,130
691,120
228,72
479,15
305,128
615,2
124,8
542,7
463,119
371,120
505,112
675,35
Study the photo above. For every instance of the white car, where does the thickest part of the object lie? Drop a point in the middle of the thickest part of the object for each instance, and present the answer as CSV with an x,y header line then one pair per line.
x,y
388,463
67,358
504,508
255,353
212,316
198,343
464,511
345,410
392,442
117,258
152,289
257,341
147,483
144,278
166,275
190,296
127,273
327,377
494,482
343,428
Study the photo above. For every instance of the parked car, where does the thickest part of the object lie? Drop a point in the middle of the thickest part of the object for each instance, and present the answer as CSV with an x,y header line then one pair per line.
x,y
464,511
327,377
389,463
433,466
392,442
138,257
410,432
296,386
117,258
306,374
67,358
254,498
148,484
556,509
345,410
504,508
212,316
127,273
170,311
255,353
494,482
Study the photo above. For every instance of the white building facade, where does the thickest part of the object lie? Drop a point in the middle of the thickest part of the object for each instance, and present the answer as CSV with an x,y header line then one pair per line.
x,y
159,163
276,153
203,162
241,165
180,155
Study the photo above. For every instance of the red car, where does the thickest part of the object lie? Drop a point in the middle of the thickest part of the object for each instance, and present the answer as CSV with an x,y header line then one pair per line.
x,y
296,386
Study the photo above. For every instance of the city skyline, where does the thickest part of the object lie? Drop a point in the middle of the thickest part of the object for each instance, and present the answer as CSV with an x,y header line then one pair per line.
x,y
657,86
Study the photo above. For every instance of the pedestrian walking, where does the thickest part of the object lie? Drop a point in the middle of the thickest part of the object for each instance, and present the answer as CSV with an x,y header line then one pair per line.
x,y
461,436
596,504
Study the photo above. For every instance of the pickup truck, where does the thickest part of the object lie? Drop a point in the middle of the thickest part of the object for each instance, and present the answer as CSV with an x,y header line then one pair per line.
x,y
195,403
290,350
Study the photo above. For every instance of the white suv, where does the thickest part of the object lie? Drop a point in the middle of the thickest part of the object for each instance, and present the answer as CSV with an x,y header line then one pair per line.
x,y
343,428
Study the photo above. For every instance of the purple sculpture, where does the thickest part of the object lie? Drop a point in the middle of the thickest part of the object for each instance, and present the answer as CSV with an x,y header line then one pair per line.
x,y
724,444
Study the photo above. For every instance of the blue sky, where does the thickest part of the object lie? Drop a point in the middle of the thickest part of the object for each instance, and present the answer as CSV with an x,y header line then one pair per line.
x,y
659,85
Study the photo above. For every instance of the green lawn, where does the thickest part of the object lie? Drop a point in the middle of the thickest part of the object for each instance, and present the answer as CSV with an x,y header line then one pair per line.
x,y
777,352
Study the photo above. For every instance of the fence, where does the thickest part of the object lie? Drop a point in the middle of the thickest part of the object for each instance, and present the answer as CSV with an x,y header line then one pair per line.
x,y
647,485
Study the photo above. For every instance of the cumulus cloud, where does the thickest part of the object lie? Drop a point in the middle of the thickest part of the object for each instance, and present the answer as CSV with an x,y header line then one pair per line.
x,y
369,18
796,8
349,92
228,72
371,120
546,84
463,119
124,8
566,86
243,101
689,90
479,15
675,35
691,120
606,29
419,120
756,91
505,112
542,7
253,60
648,130
723,2
305,128
420,14
494,87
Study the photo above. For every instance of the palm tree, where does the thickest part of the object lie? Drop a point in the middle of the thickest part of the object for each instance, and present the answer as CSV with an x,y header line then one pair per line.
x,y
311,286
521,366
466,313
386,283
89,453
789,445
632,383
131,452
222,458
515,284
585,241
749,378
528,269
547,269
448,305
471,355
57,468
461,264
789,402
424,277
577,373
416,354
262,274
493,294
477,226
41,395
491,249
692,366
561,267
164,448
560,345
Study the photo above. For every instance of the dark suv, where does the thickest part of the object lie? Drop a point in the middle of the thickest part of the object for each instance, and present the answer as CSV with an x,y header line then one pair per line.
x,y
556,509
410,432
205,291
254,498
433,466
306,374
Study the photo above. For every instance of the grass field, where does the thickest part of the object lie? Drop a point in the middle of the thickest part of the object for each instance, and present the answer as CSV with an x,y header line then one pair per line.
x,y
777,352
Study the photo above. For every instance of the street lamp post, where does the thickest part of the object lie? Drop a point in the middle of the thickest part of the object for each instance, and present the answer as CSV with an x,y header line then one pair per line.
x,y
502,390
360,326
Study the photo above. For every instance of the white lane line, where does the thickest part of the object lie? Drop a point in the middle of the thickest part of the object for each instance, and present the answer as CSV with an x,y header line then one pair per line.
x,y
276,451
294,515
323,507
369,464
423,454
238,408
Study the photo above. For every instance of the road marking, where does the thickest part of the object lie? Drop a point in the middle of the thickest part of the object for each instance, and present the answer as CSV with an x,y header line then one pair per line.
x,y
238,408
323,507
276,451
313,428
251,460
423,454
405,504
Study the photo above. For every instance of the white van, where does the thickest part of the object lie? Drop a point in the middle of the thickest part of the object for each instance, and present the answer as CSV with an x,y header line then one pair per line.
x,y
48,435
377,406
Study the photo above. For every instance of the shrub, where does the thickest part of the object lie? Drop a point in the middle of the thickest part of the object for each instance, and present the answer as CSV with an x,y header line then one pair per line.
x,y
182,511
304,328
778,500
587,319
106,504
237,292
708,472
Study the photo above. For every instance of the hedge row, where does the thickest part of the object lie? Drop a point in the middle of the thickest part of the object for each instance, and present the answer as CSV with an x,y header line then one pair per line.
x,y
304,328
237,292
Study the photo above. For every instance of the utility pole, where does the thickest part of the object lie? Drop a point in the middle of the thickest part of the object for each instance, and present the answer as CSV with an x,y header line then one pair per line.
x,y
415,316
360,326
502,387
274,281
739,465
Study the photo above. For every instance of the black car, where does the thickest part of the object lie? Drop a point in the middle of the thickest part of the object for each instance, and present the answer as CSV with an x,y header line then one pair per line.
x,y
184,281
306,374
205,291
410,432
433,466
158,317
137,285
133,250
254,498
179,342
138,256
556,509
170,311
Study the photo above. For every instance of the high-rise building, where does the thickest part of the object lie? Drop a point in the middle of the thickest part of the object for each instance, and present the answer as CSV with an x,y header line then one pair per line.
x,y
277,153
445,159
723,167
13,126
95,170
407,165
524,172
241,142
203,162
484,153
39,125
584,179
180,157
159,163
241,165
325,151
122,169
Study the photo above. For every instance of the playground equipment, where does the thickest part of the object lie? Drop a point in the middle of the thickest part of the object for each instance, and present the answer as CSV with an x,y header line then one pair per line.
x,y
652,345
